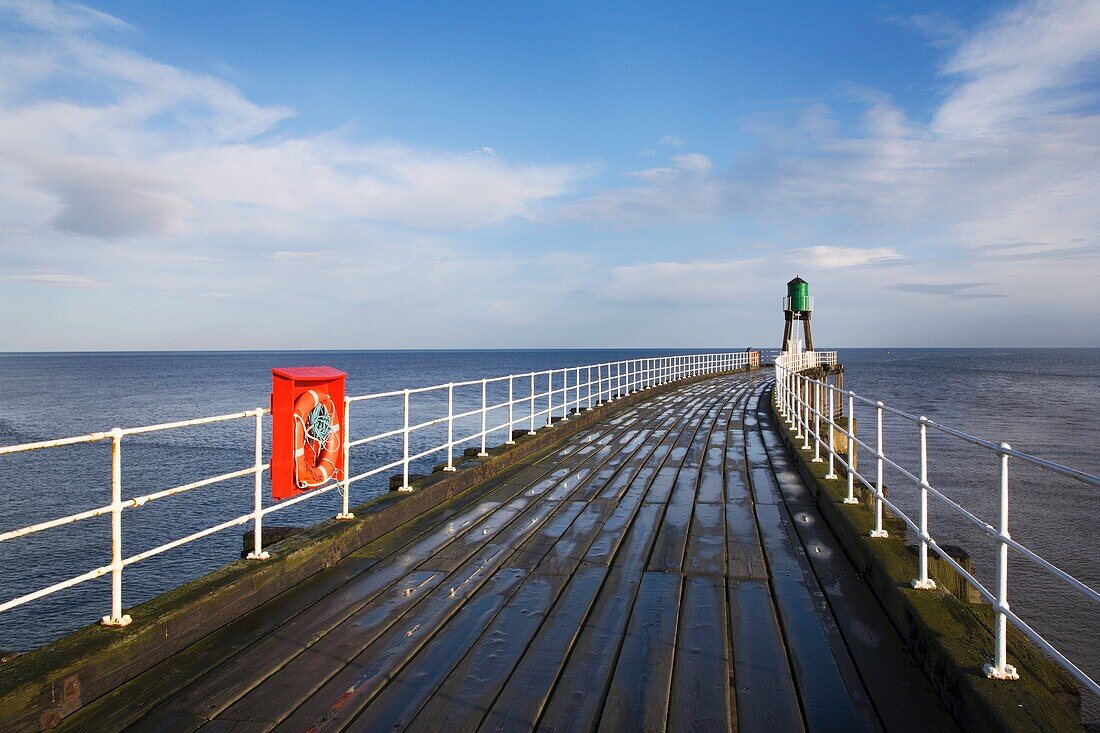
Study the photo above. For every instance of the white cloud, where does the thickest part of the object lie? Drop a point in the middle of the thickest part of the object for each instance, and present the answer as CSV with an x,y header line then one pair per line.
x,y
57,280
941,30
1011,153
116,168
961,291
293,255
133,147
1023,67
836,257
700,282
683,190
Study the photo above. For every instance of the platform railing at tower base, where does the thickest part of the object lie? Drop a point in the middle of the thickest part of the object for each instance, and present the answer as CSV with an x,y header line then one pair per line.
x,y
534,400
806,404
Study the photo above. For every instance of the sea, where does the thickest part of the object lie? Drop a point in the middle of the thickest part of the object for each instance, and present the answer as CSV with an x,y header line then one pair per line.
x,y
1045,402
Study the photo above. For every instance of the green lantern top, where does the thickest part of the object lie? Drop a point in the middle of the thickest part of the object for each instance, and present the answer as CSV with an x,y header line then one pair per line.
x,y
798,291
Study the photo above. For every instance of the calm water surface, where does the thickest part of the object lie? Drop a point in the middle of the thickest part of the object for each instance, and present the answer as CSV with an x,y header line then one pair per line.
x,y
1046,402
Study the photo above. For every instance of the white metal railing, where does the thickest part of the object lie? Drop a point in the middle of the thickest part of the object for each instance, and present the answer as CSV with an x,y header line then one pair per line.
x,y
534,400
787,302
807,405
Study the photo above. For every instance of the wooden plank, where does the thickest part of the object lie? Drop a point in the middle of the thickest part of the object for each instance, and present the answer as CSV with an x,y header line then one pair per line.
x,y
565,554
192,664
711,482
639,693
345,693
765,692
534,550
899,691
618,485
420,536
125,704
464,698
517,530
334,657
521,702
745,554
668,553
577,700
743,549
700,695
671,547
557,561
827,701
220,687
396,705
706,550
663,482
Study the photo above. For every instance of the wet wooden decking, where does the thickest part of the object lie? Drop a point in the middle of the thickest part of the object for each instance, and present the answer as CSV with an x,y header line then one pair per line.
x,y
666,570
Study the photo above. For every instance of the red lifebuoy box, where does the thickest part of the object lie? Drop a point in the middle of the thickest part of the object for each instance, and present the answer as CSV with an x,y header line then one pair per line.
x,y
307,431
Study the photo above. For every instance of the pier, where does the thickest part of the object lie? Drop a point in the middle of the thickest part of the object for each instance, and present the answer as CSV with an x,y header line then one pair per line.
x,y
662,560
620,581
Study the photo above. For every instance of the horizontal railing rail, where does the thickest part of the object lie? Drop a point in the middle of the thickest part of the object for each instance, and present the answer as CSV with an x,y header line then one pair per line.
x,y
534,400
808,403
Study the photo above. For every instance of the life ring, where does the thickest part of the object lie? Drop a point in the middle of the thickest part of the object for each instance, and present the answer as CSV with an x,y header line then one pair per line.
x,y
316,440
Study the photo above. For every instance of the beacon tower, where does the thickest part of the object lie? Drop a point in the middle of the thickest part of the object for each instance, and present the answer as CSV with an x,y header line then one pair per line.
x,y
797,306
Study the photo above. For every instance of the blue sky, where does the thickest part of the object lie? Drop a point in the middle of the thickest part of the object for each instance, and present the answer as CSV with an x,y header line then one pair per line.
x,y
351,175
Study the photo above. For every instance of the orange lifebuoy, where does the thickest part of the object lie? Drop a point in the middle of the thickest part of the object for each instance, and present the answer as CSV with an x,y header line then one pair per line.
x,y
316,440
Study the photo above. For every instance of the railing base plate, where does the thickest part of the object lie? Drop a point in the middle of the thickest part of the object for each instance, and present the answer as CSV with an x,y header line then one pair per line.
x,y
992,673
115,622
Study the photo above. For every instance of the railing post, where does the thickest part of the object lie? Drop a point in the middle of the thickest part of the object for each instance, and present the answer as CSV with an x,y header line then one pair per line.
x,y
565,395
511,420
817,422
589,387
549,397
797,407
851,497
577,391
879,530
116,618
450,427
832,434
1000,669
257,490
531,427
405,464
345,485
792,395
785,392
484,419
805,413
924,582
